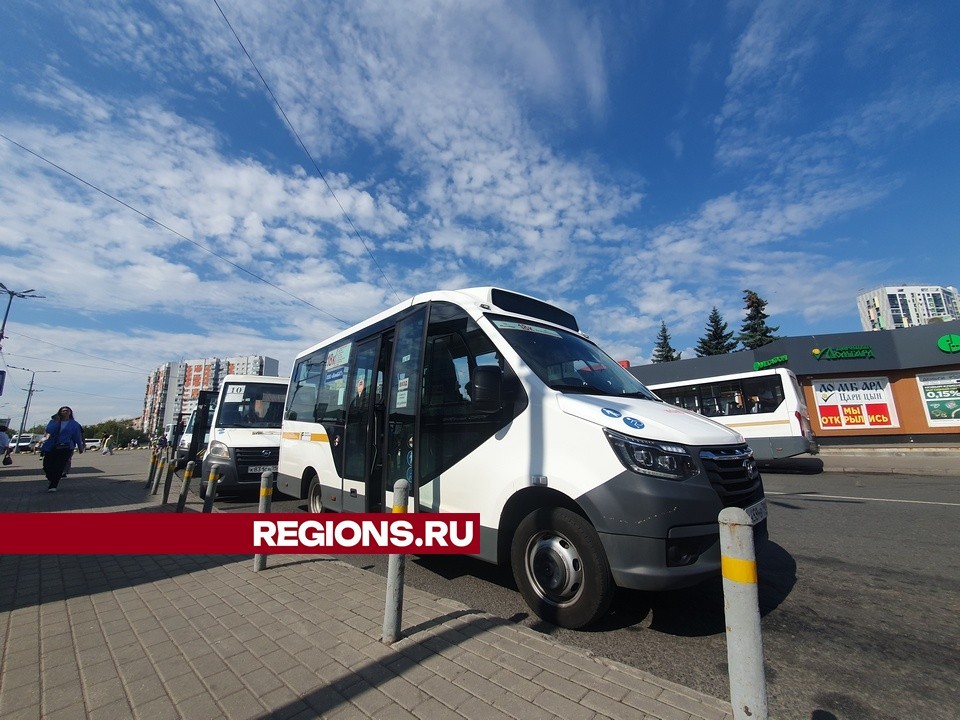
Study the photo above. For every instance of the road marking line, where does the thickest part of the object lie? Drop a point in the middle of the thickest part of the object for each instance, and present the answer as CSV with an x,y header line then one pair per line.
x,y
815,496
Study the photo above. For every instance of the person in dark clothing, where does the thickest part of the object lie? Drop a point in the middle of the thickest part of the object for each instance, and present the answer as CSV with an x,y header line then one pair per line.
x,y
63,435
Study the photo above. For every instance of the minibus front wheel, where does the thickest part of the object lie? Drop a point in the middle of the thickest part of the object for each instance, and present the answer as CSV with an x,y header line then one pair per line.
x,y
560,567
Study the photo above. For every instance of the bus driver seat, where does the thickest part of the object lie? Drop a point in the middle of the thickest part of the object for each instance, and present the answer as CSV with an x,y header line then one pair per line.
x,y
440,383
230,415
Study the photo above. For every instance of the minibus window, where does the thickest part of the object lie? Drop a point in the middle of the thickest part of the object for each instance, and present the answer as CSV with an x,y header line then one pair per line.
x,y
451,426
764,392
357,431
304,387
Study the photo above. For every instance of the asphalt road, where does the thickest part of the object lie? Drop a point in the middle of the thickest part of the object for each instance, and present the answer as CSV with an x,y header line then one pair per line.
x,y
859,595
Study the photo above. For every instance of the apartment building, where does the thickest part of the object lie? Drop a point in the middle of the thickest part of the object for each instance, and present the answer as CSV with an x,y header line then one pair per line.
x,y
172,388
899,306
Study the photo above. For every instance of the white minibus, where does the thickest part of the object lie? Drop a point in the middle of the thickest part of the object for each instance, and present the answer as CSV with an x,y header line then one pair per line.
x,y
492,402
244,433
206,401
765,406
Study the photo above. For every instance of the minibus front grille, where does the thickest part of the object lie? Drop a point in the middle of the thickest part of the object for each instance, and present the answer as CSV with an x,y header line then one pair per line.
x,y
733,474
258,456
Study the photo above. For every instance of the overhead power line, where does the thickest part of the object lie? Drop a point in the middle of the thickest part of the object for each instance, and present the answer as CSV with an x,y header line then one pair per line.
x,y
171,230
306,151
80,352
73,391
64,362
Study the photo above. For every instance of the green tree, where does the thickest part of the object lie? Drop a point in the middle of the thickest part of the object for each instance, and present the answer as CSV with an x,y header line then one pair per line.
x,y
123,431
717,340
663,352
755,332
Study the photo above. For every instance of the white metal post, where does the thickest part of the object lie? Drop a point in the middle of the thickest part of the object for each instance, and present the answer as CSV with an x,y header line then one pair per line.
x,y
393,614
741,608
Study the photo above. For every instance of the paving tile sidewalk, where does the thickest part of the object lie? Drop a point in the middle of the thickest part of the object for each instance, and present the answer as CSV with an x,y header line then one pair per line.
x,y
206,637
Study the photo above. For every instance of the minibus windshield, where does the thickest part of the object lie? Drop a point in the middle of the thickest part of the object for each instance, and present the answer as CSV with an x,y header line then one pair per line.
x,y
567,362
251,405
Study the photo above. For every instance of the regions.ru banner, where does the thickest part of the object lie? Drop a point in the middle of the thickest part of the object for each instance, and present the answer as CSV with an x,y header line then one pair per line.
x,y
238,533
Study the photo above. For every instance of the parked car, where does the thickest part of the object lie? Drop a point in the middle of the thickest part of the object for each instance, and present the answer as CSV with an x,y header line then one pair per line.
x,y
26,443
91,444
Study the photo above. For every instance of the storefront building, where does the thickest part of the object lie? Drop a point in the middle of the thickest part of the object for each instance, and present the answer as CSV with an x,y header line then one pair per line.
x,y
891,386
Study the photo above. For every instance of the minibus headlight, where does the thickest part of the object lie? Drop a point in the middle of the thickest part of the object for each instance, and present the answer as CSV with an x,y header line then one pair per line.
x,y
218,450
649,457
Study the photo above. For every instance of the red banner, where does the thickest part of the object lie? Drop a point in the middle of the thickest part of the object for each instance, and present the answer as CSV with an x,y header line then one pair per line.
x,y
238,533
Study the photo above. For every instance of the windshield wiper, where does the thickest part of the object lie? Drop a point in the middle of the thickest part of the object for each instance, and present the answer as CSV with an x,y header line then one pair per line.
x,y
582,389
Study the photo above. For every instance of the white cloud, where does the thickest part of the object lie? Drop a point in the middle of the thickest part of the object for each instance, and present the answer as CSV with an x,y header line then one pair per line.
x,y
433,125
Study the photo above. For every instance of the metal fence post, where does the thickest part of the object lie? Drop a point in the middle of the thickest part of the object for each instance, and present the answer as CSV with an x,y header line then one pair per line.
x,y
156,478
185,486
266,495
212,480
153,467
741,608
396,564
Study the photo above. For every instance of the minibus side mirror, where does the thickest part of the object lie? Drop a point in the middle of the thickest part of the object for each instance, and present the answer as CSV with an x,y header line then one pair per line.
x,y
486,384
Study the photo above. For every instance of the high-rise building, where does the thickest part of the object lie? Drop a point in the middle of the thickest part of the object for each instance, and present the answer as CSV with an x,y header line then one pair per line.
x,y
897,306
172,388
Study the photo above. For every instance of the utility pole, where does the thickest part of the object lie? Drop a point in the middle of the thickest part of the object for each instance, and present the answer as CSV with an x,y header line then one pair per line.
x,y
30,392
12,294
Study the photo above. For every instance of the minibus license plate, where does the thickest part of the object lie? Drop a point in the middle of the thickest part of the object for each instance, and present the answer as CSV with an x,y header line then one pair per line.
x,y
757,511
264,468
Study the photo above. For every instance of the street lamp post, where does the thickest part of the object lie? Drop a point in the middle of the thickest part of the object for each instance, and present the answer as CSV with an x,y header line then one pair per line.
x,y
12,294
26,407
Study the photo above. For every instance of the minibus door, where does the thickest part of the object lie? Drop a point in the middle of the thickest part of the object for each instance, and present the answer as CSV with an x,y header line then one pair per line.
x,y
402,403
360,430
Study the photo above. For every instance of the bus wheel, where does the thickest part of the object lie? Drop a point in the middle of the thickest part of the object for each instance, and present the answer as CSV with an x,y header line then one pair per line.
x,y
315,496
560,567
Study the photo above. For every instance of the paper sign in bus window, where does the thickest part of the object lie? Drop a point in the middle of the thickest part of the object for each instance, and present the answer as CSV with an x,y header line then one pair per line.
x,y
339,356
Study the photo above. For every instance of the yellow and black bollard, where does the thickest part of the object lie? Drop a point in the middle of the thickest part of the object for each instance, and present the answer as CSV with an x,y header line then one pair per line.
x,y
159,474
185,486
168,481
153,467
212,479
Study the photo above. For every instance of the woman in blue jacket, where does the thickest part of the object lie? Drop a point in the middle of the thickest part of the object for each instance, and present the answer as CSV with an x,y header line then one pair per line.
x,y
63,435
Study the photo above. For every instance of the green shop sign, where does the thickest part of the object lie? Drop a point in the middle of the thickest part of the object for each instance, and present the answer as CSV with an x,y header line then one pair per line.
x,y
761,364
949,343
848,352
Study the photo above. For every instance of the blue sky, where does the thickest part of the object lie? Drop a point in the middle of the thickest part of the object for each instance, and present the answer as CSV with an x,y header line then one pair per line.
x,y
632,162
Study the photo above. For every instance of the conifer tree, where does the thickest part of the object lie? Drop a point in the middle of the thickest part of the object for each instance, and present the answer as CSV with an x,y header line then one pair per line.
x,y
755,332
717,340
663,352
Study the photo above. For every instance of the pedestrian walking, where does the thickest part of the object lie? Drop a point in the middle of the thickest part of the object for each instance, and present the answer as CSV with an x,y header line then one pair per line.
x,y
108,445
63,434
5,446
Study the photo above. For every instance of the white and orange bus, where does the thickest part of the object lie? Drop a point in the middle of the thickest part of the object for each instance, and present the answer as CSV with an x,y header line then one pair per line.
x,y
765,406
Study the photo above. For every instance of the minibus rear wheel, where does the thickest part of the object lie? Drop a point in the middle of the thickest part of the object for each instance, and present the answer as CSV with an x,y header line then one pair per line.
x,y
315,495
560,567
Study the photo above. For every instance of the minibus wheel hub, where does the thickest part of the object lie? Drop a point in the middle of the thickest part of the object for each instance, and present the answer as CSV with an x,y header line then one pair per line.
x,y
555,567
